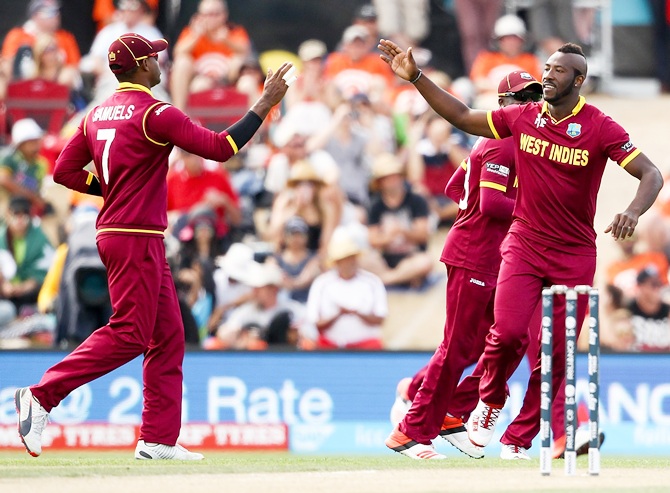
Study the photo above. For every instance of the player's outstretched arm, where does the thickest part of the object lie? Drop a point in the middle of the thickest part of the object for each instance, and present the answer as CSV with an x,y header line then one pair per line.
x,y
651,182
448,107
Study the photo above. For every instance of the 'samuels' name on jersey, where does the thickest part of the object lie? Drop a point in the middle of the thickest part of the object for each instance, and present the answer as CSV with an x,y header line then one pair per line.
x,y
110,113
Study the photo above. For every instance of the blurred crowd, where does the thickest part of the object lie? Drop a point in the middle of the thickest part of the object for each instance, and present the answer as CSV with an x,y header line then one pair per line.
x,y
295,242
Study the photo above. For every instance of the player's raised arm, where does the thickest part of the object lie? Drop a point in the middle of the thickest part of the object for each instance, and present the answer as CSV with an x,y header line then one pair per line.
x,y
448,107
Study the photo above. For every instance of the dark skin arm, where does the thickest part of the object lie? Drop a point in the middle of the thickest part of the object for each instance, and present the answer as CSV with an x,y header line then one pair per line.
x,y
448,107
651,181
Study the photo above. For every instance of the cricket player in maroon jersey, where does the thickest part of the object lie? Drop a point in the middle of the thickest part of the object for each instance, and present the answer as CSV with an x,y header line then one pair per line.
x,y
561,149
128,138
484,187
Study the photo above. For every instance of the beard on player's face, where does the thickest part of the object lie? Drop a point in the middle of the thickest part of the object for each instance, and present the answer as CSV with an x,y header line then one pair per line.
x,y
562,93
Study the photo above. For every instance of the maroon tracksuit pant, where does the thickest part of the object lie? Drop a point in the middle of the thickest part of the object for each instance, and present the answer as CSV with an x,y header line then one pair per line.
x,y
146,320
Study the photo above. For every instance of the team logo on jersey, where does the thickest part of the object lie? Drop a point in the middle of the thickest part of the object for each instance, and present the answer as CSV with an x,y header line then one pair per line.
x,y
539,121
574,129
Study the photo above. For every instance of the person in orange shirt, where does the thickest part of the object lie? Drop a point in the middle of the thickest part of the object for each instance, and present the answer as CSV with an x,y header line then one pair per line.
x,y
43,19
208,53
104,11
354,69
490,66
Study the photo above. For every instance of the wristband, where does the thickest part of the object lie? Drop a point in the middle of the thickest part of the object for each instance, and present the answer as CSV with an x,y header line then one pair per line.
x,y
418,76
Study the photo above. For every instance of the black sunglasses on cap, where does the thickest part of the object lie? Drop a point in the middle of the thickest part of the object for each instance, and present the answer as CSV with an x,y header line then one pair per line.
x,y
523,96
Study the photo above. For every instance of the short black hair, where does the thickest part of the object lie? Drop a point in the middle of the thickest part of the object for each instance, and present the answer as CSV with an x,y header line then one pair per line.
x,y
19,204
574,49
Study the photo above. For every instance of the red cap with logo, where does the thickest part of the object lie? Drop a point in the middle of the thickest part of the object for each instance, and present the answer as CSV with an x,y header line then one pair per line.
x,y
128,49
518,81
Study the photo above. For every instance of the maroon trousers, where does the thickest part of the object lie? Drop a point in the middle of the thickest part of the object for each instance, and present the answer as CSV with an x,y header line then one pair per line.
x,y
145,320
465,397
469,302
525,269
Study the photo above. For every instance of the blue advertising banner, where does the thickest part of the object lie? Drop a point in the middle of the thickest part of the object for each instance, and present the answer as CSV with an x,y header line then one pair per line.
x,y
337,401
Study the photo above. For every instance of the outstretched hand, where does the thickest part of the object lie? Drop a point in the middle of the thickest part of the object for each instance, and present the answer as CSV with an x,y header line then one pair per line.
x,y
401,62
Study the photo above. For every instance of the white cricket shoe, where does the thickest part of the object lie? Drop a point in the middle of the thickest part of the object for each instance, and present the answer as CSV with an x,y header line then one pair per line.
x,y
32,420
482,423
514,452
402,403
145,451
453,431
401,443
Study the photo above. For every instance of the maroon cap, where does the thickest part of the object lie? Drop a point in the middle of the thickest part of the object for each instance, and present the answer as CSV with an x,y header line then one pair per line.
x,y
518,81
126,51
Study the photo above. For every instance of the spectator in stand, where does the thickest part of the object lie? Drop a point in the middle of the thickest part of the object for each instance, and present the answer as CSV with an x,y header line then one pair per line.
x,y
7,271
22,167
354,68
650,313
17,49
195,286
134,16
434,154
491,66
311,85
208,52
306,197
231,291
407,21
105,12
633,258
50,65
347,304
345,140
366,16
298,263
398,227
476,19
552,23
32,253
193,186
267,318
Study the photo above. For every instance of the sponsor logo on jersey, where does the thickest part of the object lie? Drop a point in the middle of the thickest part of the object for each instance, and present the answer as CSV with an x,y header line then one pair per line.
x,y
627,146
574,129
161,109
498,169
540,121
477,282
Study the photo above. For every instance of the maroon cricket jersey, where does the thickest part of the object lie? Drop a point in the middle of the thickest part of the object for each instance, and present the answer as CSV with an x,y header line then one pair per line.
x,y
560,164
129,138
474,240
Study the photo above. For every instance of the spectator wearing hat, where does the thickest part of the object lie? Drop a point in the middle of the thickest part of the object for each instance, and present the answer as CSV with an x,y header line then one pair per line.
x,y
208,51
650,313
366,16
22,167
398,227
131,16
298,263
354,68
230,289
311,85
17,49
32,253
347,304
307,197
195,185
268,319
491,66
